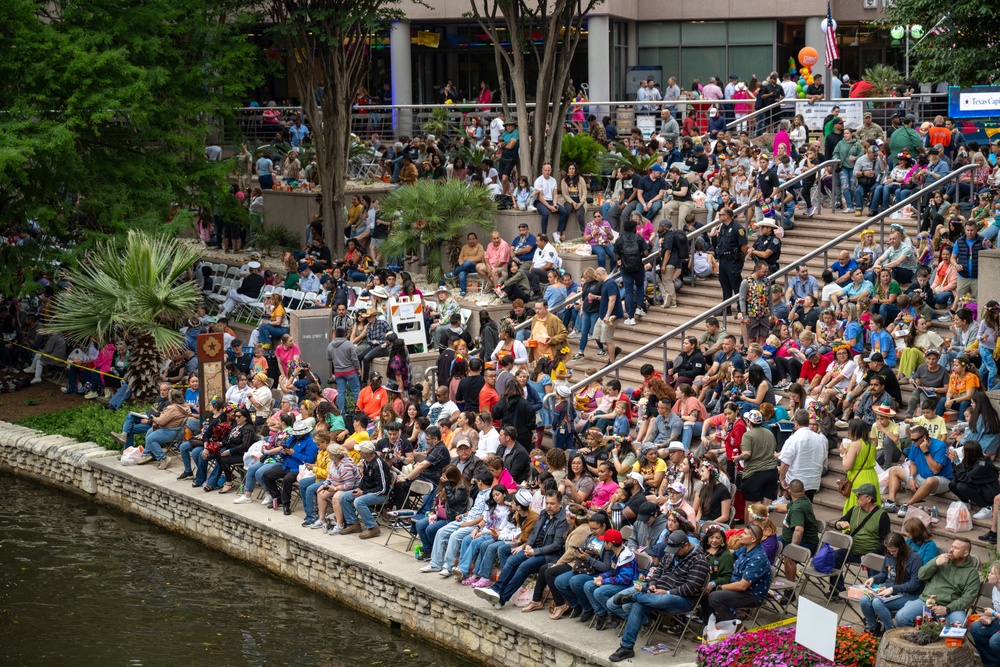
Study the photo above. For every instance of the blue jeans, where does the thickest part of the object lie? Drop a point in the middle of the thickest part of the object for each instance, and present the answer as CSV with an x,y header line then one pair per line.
x,y
604,253
990,233
132,427
269,331
470,549
518,568
888,191
859,195
343,382
988,370
651,210
360,507
944,298
644,602
462,271
489,554
846,178
908,614
587,322
571,586
688,433
441,538
633,283
255,475
987,641
427,530
122,395
158,439
448,542
308,490
187,450
873,205
599,595
543,210
874,610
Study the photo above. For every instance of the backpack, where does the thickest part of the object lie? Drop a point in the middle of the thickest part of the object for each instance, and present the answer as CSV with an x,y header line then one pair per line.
x,y
631,253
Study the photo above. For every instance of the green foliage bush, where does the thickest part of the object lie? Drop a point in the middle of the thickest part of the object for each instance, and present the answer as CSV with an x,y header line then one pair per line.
x,y
582,150
89,422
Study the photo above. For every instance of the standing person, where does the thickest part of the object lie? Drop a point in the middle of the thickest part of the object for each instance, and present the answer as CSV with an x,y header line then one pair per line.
x,y
760,471
609,311
343,357
545,200
966,254
803,456
631,250
755,304
730,249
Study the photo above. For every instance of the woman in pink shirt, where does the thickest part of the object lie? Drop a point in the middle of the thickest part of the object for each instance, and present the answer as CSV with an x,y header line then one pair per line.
x,y
605,487
286,353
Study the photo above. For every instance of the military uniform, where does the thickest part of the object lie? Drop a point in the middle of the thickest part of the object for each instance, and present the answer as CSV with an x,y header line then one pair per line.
x,y
730,250
769,242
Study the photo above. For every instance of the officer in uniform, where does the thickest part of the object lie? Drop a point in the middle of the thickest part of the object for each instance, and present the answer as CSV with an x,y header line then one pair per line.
x,y
767,246
730,250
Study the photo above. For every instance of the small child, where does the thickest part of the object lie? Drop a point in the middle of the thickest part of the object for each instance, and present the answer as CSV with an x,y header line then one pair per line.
x,y
522,194
703,263
770,346
713,197
621,425
924,253
259,360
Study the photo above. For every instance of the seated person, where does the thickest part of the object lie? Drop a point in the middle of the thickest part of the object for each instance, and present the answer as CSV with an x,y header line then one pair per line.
x,y
928,470
951,585
751,578
373,490
867,523
984,631
898,579
137,425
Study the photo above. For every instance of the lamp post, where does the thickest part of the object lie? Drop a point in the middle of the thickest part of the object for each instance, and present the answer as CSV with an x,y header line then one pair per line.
x,y
899,32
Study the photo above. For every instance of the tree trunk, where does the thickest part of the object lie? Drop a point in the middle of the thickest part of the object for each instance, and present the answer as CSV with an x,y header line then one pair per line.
x,y
894,651
143,372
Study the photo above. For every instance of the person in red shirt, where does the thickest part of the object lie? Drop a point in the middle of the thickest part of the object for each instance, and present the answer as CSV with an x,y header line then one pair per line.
x,y
815,365
488,396
648,372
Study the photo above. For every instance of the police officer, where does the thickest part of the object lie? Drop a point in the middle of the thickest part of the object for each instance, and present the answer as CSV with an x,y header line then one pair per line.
x,y
730,250
767,246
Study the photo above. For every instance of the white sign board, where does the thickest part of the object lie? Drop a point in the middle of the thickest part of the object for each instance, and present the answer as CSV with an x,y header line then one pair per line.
x,y
647,124
979,101
852,113
816,628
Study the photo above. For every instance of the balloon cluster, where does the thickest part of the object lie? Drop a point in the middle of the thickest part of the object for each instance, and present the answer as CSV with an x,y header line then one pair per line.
x,y
808,57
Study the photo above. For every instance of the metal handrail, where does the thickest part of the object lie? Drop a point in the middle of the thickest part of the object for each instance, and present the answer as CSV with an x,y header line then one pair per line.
x,y
679,330
708,226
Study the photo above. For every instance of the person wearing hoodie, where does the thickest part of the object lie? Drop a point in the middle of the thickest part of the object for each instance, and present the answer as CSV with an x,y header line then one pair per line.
x,y
867,173
300,449
344,363
165,428
622,572
898,580
649,525
847,151
904,138
951,585
975,477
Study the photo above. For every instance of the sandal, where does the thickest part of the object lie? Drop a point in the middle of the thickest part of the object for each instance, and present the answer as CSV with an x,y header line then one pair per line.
x,y
558,612
227,487
208,488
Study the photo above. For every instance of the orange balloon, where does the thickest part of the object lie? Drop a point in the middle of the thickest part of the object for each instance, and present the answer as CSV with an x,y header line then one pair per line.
x,y
808,56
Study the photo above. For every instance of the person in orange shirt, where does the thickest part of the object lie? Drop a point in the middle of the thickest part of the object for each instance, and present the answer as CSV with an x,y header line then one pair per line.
x,y
939,134
372,397
488,396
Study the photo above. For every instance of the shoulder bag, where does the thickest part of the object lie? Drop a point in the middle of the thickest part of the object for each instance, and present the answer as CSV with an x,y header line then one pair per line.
x,y
846,485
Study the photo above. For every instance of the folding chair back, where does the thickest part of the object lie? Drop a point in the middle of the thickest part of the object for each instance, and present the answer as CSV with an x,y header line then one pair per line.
x,y
644,561
413,501
687,618
837,540
873,563
626,532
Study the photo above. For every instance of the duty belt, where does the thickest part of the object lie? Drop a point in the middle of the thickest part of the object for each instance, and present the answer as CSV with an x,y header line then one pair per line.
x,y
735,255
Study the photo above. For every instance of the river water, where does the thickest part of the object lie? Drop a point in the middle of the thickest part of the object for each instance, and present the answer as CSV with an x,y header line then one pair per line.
x,y
83,585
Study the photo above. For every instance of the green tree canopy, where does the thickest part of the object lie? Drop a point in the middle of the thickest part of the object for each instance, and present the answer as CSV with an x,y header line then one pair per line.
x,y
963,56
112,101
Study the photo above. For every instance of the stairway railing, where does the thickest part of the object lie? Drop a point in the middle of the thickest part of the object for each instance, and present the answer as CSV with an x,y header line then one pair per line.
x,y
680,330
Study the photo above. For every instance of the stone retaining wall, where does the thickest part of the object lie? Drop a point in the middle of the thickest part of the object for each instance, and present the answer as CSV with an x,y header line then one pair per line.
x,y
380,582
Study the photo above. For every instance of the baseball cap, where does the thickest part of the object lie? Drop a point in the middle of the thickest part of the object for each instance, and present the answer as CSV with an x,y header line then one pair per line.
x,y
647,510
462,443
936,352
754,417
677,487
657,167
713,112
523,225
678,539
366,447
810,351
611,537
875,357
864,490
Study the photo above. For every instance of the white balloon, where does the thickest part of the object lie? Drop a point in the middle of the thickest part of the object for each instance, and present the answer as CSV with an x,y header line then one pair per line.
x,y
824,25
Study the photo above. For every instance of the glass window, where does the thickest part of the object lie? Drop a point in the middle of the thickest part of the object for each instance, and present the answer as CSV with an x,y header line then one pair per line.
x,y
668,59
751,32
701,63
658,34
747,60
703,34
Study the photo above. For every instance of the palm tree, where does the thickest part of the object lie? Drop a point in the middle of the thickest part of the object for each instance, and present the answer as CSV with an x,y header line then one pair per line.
x,y
437,214
132,288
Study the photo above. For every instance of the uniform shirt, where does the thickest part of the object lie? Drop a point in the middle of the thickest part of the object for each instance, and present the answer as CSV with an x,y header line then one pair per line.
x,y
732,238
543,256
769,242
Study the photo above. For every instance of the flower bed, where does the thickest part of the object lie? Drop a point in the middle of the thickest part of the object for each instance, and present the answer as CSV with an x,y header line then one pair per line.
x,y
777,648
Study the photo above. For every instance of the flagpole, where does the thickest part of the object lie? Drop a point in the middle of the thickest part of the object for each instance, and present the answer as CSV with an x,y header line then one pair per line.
x,y
931,31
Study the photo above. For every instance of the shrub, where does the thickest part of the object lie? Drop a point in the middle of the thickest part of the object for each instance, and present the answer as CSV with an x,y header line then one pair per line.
x,y
89,422
777,648
583,151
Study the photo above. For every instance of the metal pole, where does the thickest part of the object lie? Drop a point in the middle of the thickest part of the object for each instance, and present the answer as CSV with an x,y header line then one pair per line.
x,y
907,52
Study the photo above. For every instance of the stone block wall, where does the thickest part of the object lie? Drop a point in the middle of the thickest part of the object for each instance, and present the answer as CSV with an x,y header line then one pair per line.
x,y
377,581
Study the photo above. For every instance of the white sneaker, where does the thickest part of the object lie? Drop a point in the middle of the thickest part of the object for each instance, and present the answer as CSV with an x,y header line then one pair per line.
x,y
35,380
630,321
445,572
267,500
334,530
555,236
240,500
318,523
944,318
985,513
430,568
640,312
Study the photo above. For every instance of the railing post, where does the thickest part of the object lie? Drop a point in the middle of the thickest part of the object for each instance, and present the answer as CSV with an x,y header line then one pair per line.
x,y
882,232
664,356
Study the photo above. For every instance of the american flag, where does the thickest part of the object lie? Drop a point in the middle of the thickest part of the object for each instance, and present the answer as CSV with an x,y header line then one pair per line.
x,y
831,39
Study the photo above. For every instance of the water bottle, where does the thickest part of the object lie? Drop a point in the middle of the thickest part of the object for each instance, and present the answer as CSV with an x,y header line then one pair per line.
x,y
418,551
934,512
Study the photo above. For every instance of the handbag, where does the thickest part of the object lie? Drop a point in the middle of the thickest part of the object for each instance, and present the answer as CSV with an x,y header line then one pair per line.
x,y
846,485
824,560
